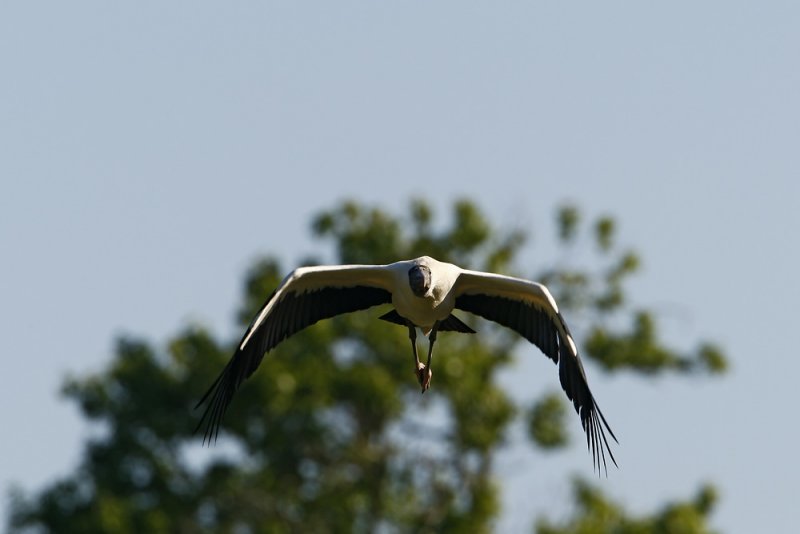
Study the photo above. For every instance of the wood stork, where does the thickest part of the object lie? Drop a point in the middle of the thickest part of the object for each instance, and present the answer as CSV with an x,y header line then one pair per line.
x,y
424,293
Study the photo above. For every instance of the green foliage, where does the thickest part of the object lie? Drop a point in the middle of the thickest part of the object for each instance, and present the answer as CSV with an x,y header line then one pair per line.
x,y
547,421
604,232
370,236
596,514
331,434
568,219
600,292
640,349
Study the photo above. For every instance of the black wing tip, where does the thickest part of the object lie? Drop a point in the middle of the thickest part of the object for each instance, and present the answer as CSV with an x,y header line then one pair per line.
x,y
209,391
573,381
218,397
210,422
596,440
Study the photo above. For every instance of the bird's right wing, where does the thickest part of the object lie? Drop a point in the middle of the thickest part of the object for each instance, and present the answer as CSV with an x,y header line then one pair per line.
x,y
529,309
307,295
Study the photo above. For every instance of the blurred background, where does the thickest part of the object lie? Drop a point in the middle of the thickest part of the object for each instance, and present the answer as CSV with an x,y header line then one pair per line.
x,y
163,166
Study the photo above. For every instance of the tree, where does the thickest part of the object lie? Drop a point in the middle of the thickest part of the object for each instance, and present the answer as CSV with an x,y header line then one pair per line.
x,y
330,434
595,513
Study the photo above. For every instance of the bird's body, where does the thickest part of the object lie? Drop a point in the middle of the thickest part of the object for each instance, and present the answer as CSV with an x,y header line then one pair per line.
x,y
437,302
424,292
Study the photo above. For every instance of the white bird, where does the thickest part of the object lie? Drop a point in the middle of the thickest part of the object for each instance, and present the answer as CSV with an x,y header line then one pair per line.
x,y
424,292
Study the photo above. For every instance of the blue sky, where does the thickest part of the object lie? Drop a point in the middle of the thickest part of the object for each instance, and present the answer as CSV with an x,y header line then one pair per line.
x,y
149,153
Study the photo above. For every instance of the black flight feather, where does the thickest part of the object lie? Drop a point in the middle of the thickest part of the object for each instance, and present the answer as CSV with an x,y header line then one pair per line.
x,y
539,327
292,313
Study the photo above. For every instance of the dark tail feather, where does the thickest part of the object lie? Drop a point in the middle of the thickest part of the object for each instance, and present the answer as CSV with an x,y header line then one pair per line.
x,y
454,324
450,324
394,317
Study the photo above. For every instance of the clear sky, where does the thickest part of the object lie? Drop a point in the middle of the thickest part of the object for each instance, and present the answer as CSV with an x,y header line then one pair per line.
x,y
149,152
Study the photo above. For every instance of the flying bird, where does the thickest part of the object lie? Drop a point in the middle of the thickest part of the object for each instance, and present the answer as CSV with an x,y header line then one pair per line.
x,y
424,292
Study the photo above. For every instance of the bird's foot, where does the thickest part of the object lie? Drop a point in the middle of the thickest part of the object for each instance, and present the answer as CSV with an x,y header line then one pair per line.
x,y
424,376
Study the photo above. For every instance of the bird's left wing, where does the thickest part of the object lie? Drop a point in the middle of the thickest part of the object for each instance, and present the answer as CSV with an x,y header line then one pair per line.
x,y
529,309
307,295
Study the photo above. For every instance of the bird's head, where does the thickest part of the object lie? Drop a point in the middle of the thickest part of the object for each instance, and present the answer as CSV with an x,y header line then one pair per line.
x,y
419,278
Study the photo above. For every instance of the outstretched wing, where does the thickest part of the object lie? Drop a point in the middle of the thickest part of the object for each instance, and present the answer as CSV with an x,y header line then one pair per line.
x,y
529,309
307,295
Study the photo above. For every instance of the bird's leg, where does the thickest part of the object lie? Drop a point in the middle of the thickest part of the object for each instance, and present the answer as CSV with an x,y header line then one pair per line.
x,y
426,372
418,367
